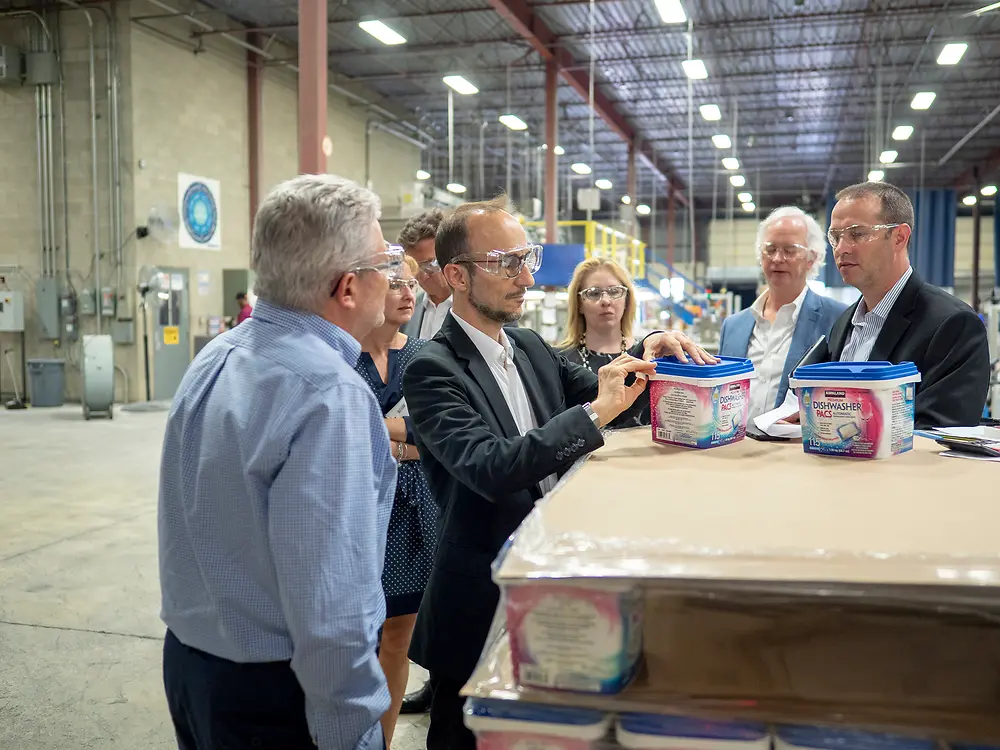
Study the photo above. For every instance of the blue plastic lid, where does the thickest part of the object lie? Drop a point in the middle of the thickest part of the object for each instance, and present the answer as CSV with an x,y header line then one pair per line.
x,y
824,738
518,711
727,366
683,726
855,371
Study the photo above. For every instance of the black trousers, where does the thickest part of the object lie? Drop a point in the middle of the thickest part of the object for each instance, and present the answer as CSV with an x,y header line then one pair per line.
x,y
447,729
217,704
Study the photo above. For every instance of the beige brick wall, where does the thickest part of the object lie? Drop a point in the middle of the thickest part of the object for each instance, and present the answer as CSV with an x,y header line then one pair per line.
x,y
180,112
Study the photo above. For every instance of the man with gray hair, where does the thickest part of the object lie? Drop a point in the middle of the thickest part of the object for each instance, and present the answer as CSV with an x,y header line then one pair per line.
x,y
276,486
900,317
788,318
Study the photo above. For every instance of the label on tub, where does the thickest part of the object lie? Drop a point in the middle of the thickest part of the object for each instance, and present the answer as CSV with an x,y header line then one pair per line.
x,y
851,421
700,417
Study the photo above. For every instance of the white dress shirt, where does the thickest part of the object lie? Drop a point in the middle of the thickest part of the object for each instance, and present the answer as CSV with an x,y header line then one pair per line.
x,y
434,316
866,326
500,358
768,350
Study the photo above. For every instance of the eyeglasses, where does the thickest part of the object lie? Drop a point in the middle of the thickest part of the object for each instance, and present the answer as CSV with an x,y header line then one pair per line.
x,y
507,263
391,265
857,234
596,293
397,285
770,250
429,267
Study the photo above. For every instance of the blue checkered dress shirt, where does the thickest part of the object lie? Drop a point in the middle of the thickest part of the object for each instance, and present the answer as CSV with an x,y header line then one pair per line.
x,y
276,487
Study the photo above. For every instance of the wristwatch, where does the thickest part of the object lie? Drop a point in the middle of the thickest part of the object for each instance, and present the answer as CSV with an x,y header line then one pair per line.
x,y
592,414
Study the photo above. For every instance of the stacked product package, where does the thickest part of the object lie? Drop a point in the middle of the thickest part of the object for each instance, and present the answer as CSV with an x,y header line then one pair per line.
x,y
754,596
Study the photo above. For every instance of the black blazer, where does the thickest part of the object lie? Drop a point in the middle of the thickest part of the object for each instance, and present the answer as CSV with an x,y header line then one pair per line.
x,y
484,474
945,339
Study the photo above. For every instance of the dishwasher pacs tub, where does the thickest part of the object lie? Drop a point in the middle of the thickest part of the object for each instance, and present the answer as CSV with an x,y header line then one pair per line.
x,y
856,409
580,637
514,725
700,406
655,732
825,738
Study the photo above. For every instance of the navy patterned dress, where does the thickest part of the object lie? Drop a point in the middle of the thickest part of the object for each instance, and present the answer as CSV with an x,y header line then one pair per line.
x,y
412,537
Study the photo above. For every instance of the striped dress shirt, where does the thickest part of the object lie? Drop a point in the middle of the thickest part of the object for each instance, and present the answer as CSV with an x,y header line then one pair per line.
x,y
866,326
276,486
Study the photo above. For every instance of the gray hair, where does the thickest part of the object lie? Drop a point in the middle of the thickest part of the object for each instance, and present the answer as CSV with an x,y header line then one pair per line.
x,y
815,239
308,231
896,206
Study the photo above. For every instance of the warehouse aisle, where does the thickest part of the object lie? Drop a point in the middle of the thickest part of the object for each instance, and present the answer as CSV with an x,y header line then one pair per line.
x,y
80,636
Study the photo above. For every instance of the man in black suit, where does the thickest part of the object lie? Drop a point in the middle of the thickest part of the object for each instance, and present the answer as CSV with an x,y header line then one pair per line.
x,y
901,318
498,416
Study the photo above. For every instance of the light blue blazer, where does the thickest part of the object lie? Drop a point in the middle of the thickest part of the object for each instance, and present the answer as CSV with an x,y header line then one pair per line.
x,y
816,318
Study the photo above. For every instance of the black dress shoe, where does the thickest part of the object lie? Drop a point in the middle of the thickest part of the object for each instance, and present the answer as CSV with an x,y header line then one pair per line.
x,y
419,701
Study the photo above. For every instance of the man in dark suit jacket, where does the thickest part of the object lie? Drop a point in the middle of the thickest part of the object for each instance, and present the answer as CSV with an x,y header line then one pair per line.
x,y
901,318
498,416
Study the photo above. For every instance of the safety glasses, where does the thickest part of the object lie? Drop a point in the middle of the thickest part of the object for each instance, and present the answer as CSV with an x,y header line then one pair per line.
x,y
507,263
857,234
596,293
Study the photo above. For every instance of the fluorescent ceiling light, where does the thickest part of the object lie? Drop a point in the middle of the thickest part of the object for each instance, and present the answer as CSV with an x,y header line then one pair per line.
x,y
695,69
643,209
422,175
581,168
626,199
989,190
888,156
969,200
952,53
876,175
456,187
738,180
923,100
711,112
382,32
902,132
513,122
671,11
744,197
559,151
460,85
731,162
749,207
722,141
603,184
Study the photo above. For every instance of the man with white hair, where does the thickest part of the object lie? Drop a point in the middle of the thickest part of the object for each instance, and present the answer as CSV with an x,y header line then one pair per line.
x,y
788,318
276,486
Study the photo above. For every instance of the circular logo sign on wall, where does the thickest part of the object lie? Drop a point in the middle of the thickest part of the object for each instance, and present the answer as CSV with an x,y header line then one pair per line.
x,y
201,215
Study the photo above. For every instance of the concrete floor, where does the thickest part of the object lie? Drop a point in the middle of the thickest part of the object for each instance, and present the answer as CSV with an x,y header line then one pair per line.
x,y
80,636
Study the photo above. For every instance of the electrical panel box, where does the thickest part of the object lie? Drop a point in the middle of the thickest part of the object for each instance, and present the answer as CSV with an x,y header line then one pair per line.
x,y
11,311
108,299
88,302
67,311
588,199
47,309
41,69
11,69
123,331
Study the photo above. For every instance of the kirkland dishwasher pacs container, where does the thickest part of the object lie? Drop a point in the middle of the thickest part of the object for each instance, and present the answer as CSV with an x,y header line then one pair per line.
x,y
700,406
824,738
584,638
655,732
514,725
856,409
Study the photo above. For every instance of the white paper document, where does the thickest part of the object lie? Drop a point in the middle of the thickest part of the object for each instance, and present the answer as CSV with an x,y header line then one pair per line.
x,y
399,410
973,456
769,422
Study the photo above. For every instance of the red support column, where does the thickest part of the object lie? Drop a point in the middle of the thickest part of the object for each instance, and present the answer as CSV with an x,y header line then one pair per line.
x,y
632,189
671,215
551,140
255,133
312,85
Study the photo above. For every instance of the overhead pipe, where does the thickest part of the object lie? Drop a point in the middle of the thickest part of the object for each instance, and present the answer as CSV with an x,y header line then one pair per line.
x,y
968,136
690,185
290,66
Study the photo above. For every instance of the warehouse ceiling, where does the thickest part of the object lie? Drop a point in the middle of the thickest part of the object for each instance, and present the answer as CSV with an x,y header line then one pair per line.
x,y
810,91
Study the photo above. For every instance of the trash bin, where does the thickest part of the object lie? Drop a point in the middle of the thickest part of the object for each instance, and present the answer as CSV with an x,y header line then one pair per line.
x,y
46,378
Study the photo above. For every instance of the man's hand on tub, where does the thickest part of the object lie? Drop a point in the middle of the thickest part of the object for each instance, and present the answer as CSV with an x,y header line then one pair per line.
x,y
613,396
675,344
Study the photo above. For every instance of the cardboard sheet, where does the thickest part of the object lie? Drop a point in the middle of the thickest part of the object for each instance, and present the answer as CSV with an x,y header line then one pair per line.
x,y
758,512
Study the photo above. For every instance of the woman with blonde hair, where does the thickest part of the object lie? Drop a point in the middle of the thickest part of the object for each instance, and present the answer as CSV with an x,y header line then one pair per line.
x,y
600,319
